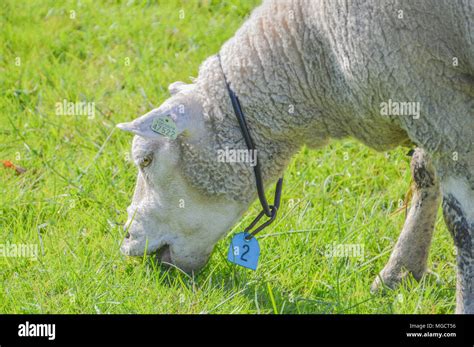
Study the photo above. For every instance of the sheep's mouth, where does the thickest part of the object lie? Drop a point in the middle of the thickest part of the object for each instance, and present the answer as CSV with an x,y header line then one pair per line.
x,y
163,254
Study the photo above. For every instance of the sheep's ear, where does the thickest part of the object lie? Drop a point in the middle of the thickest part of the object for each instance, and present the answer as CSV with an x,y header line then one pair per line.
x,y
157,124
176,87
178,114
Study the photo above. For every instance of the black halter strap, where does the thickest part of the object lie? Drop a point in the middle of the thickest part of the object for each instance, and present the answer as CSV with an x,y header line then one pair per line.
x,y
269,210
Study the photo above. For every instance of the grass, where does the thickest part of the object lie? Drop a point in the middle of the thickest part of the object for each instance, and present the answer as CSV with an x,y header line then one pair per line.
x,y
71,201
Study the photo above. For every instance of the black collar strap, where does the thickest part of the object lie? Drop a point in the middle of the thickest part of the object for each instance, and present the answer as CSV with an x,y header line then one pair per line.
x,y
269,210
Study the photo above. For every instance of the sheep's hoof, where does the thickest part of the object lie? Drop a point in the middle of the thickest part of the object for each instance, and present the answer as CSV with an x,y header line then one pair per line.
x,y
391,279
384,281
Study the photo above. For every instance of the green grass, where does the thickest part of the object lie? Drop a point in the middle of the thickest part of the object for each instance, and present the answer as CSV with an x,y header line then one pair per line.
x,y
72,199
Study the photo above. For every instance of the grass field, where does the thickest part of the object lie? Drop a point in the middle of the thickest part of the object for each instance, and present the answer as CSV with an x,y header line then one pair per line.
x,y
71,201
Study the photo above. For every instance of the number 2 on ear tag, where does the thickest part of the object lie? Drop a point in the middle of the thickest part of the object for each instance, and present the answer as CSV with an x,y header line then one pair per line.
x,y
244,252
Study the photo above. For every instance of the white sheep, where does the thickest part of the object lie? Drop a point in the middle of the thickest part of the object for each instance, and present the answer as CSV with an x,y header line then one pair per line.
x,y
387,73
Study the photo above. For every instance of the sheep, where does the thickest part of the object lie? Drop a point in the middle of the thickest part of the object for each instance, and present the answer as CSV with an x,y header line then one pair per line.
x,y
388,73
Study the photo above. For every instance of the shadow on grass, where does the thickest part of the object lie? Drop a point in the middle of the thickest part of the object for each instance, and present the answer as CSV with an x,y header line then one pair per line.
x,y
266,296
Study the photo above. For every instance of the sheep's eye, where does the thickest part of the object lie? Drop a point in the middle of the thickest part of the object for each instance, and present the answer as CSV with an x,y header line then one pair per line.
x,y
145,162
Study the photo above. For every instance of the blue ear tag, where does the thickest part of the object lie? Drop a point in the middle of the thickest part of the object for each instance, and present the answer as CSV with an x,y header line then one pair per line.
x,y
244,252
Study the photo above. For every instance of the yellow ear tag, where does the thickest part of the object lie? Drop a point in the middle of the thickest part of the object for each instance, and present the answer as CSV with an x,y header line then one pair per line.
x,y
165,126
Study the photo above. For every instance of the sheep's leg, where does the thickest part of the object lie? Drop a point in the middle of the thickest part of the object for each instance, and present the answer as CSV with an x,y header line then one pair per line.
x,y
411,251
458,211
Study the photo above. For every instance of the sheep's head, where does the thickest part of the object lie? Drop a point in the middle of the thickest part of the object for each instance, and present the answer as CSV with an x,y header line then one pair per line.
x,y
168,216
